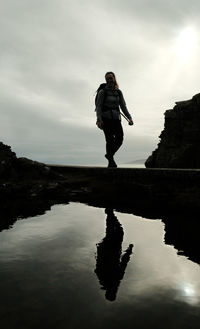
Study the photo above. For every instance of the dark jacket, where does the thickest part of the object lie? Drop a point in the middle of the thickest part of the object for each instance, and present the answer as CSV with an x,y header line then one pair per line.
x,y
109,103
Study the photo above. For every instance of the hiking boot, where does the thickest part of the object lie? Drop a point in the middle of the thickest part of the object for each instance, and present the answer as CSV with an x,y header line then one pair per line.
x,y
111,161
112,164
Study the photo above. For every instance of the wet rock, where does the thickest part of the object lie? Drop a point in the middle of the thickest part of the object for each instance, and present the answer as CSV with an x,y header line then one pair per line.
x,y
180,139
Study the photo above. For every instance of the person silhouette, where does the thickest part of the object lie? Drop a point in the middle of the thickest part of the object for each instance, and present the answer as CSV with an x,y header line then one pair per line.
x,y
109,100
110,265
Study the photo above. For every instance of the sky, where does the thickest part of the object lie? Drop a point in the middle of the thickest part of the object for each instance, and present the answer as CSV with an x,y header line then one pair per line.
x,y
55,53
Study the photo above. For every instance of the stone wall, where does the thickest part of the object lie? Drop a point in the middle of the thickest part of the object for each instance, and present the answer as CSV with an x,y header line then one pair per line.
x,y
156,189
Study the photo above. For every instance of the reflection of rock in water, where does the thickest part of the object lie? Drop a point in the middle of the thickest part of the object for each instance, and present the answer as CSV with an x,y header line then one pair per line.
x,y
183,234
110,266
25,205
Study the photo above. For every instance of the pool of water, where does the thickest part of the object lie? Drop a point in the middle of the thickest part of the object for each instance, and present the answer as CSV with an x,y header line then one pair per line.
x,y
79,266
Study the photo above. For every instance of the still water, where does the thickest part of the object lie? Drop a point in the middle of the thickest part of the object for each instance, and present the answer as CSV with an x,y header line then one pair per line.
x,y
78,266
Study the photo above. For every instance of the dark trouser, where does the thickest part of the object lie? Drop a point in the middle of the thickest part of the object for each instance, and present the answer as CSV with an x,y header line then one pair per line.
x,y
113,134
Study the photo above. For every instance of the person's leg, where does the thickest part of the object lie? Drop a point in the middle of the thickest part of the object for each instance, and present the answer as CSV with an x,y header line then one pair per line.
x,y
108,130
109,137
119,135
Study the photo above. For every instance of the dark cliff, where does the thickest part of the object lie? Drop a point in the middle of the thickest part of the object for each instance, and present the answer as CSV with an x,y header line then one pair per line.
x,y
27,187
180,140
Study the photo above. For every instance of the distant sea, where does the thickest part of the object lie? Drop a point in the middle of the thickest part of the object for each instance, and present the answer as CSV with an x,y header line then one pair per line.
x,y
120,165
131,165
134,164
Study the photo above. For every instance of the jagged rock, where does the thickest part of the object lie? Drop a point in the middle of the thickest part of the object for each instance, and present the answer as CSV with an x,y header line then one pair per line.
x,y
7,161
22,169
29,169
180,139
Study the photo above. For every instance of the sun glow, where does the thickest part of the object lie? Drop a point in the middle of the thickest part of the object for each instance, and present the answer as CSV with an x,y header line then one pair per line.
x,y
189,290
186,44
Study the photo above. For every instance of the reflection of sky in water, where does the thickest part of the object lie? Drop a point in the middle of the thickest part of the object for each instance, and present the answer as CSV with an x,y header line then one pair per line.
x,y
47,268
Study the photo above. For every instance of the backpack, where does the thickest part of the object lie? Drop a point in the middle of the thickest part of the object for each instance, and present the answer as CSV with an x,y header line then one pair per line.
x,y
102,86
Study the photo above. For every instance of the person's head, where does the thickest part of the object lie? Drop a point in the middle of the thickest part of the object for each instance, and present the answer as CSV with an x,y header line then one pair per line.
x,y
111,294
111,80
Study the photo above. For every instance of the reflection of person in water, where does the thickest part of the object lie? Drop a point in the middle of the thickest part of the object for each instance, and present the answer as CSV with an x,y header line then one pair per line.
x,y
110,266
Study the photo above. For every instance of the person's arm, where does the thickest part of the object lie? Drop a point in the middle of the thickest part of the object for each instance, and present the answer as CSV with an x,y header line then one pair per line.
x,y
124,261
123,107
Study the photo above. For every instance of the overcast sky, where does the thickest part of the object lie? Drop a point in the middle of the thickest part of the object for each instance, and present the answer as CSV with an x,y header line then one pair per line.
x,y
54,54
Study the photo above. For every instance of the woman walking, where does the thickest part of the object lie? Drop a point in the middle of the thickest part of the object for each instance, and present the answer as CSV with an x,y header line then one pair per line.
x,y
109,100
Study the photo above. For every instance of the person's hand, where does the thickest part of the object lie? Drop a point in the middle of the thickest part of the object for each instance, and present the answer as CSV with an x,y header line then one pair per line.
x,y
130,122
100,124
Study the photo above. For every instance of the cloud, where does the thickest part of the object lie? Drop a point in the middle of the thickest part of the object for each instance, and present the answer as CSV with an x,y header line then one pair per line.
x,y
155,12
54,55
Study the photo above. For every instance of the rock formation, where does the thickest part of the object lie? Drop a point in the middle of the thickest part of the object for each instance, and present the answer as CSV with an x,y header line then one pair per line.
x,y
7,162
19,169
180,140
26,185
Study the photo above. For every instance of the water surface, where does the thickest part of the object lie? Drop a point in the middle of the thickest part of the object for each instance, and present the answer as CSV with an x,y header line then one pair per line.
x,y
83,267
